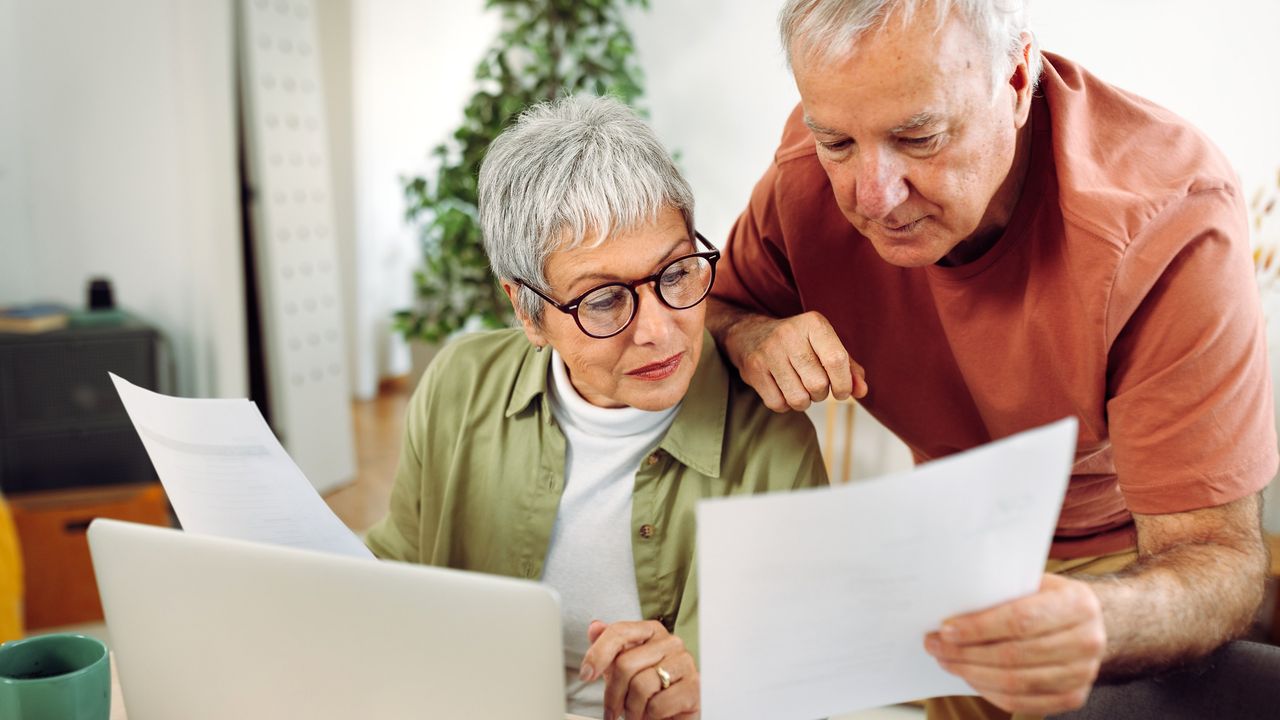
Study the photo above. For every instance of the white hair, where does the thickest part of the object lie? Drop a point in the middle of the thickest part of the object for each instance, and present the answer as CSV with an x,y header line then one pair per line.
x,y
827,30
567,172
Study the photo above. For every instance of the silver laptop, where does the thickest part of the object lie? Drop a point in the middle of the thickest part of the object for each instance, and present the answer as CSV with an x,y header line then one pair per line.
x,y
206,628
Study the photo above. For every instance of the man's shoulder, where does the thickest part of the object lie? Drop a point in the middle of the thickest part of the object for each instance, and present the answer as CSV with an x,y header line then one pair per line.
x,y
1120,160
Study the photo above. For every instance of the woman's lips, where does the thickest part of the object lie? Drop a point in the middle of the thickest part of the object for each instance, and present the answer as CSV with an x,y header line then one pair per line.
x,y
658,371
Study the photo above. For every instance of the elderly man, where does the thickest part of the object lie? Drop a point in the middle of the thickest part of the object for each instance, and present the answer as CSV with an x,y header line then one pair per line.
x,y
1001,239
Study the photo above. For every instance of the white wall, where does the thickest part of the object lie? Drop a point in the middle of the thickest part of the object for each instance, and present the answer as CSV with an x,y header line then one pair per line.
x,y
118,158
1213,64
412,63
718,91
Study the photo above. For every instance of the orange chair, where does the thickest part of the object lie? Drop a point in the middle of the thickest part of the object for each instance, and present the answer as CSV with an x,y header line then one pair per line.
x,y
10,578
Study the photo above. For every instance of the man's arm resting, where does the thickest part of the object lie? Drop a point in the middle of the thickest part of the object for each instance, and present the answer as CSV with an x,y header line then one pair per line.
x,y
791,362
1197,583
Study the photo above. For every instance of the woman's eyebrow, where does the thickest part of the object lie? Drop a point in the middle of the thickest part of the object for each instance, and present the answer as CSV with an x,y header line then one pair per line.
x,y
607,277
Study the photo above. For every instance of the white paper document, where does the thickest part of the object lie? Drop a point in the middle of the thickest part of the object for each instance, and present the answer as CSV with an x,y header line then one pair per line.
x,y
817,602
226,474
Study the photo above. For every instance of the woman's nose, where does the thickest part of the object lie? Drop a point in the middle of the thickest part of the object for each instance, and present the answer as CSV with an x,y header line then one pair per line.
x,y
654,321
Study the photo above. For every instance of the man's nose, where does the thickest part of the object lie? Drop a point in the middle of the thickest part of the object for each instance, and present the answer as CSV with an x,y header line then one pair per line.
x,y
880,185
654,321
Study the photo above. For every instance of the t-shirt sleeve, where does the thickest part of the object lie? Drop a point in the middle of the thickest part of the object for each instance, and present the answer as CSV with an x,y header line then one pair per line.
x,y
754,272
1190,406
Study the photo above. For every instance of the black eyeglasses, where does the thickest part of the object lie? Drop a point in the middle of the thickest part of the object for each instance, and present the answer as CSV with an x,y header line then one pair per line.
x,y
607,310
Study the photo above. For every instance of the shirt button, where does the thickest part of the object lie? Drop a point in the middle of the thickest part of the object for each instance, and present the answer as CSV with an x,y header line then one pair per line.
x,y
653,459
646,531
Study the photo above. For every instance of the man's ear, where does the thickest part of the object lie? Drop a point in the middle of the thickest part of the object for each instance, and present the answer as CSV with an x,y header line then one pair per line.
x,y
1021,82
531,329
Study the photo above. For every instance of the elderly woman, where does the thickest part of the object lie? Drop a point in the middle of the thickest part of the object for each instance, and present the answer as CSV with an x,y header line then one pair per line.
x,y
581,466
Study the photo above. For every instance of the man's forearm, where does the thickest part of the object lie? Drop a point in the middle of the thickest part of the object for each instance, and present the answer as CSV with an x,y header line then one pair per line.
x,y
721,318
1181,602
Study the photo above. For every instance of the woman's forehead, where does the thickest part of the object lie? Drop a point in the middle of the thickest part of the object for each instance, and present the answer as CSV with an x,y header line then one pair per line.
x,y
627,255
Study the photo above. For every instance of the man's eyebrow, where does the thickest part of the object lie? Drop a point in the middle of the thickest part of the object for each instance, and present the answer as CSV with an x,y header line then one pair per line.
x,y
820,129
915,122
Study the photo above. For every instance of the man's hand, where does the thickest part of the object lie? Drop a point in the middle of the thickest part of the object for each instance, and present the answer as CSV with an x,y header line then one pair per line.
x,y
1039,654
628,656
791,363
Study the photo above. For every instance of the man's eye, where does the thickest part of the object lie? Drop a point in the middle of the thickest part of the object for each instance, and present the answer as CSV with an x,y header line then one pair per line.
x,y
837,145
920,142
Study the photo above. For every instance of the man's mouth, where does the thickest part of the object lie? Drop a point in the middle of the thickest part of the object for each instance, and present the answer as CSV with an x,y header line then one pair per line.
x,y
905,229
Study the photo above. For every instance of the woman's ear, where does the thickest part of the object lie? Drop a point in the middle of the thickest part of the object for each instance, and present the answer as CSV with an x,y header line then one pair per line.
x,y
531,329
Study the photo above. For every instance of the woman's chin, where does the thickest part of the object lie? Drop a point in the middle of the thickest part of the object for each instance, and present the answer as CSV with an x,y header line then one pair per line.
x,y
657,395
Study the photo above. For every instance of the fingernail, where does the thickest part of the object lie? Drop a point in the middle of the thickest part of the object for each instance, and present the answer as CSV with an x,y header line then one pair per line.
x,y
950,633
585,673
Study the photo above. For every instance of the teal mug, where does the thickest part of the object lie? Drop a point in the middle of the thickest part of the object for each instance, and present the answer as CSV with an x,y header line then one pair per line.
x,y
55,677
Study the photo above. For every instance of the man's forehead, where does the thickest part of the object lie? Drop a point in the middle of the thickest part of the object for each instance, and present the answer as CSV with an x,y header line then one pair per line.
x,y
922,119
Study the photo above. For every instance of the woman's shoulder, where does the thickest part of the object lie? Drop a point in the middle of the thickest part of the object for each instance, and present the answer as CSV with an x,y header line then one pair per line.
x,y
749,416
779,450
477,362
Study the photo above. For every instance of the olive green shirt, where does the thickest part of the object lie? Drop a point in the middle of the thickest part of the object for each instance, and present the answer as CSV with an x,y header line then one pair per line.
x,y
482,469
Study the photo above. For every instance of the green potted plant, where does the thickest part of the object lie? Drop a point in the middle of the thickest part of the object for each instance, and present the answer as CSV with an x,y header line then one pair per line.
x,y
546,49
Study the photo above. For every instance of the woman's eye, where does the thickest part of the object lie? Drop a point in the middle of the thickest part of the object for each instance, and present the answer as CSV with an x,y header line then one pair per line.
x,y
601,304
675,276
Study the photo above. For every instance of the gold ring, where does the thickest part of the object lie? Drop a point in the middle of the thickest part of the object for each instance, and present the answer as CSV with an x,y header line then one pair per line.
x,y
664,676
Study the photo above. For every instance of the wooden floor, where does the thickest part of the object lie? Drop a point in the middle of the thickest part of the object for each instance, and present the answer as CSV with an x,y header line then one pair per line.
x,y
379,424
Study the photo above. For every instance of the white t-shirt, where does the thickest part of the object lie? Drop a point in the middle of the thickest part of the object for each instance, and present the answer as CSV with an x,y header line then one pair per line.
x,y
589,561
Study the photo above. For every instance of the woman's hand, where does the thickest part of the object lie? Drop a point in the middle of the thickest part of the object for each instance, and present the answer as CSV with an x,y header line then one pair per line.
x,y
648,674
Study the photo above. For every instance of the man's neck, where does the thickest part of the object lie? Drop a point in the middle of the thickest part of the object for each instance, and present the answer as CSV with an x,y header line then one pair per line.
x,y
1000,211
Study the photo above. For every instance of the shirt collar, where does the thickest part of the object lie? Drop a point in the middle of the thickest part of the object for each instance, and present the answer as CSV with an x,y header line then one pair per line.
x,y
696,437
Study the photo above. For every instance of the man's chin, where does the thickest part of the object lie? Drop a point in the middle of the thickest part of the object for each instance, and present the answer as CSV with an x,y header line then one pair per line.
x,y
908,255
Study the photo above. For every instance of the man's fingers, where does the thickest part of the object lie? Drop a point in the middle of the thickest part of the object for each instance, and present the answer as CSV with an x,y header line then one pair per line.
x,y
833,360
1086,640
769,393
1059,604
1025,682
859,381
795,362
794,386
813,376
1040,705
613,641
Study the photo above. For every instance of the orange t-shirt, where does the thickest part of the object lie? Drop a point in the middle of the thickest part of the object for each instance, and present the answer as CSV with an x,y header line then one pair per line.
x,y
1121,293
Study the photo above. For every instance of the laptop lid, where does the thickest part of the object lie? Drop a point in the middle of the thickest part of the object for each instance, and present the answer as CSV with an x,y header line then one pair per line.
x,y
206,628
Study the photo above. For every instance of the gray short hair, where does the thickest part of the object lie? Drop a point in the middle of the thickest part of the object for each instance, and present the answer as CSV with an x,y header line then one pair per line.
x,y
576,169
826,30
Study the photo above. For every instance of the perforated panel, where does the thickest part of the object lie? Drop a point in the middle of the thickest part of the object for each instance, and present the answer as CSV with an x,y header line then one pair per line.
x,y
294,246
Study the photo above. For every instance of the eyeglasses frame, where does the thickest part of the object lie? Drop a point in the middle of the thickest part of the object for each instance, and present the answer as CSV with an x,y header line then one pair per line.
x,y
712,256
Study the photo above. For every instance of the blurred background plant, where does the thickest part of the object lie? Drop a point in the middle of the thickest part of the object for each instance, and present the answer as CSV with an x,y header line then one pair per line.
x,y
1266,236
1264,228
546,49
